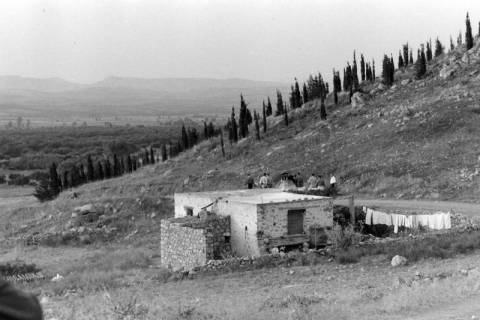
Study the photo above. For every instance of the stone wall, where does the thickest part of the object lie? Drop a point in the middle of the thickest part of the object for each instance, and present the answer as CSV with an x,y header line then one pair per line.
x,y
243,226
190,242
272,218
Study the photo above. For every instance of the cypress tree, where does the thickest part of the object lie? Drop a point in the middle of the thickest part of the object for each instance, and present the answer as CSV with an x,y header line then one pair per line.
x,y
305,93
405,55
279,104
90,171
211,129
451,44
152,156
298,95
438,48
459,38
221,143
122,167
269,107
243,118
355,73
264,113
392,69
429,51
410,61
134,159
234,127
205,131
323,111
108,169
164,152
285,115
257,125
362,67
81,173
468,34
387,70
66,184
100,173
249,118
292,97
373,71
185,141
129,164
421,64
55,184
400,60
116,166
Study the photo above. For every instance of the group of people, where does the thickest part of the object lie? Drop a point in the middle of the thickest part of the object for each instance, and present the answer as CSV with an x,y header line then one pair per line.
x,y
315,182
264,182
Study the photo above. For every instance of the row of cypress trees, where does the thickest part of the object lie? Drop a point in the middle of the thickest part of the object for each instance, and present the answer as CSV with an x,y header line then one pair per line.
x,y
317,88
115,166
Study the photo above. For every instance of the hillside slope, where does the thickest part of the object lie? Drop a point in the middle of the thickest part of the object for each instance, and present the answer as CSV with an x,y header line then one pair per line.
x,y
416,140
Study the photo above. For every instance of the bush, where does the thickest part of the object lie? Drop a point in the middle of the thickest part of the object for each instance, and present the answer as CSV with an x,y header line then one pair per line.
x,y
343,238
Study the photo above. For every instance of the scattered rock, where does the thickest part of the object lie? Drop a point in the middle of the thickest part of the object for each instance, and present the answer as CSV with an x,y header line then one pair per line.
x,y
398,261
446,72
405,82
57,278
85,209
358,100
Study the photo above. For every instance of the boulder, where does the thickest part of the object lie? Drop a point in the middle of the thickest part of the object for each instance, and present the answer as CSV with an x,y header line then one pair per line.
x,y
405,82
446,72
85,209
398,261
358,100
381,87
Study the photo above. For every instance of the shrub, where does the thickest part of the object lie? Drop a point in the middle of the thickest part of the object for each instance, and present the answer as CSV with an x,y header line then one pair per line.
x,y
343,238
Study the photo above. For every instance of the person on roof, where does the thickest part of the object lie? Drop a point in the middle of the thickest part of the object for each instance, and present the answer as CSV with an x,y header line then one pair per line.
x,y
263,181
312,182
333,182
249,182
269,181
299,180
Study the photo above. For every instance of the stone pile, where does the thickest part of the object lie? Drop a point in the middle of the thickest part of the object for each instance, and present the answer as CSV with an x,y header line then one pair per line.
x,y
419,277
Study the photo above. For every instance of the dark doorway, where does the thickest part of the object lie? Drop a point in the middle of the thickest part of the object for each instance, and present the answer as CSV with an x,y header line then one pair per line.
x,y
295,221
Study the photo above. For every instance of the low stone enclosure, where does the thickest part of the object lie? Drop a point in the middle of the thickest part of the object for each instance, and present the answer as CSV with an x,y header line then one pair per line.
x,y
188,242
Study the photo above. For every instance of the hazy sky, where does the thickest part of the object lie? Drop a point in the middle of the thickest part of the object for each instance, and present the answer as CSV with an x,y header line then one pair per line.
x,y
87,40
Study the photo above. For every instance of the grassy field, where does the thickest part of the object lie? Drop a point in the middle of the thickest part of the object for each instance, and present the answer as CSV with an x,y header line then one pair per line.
x,y
119,283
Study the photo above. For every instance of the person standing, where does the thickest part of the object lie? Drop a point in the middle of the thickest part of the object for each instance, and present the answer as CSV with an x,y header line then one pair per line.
x,y
269,181
299,180
263,181
333,182
249,182
312,182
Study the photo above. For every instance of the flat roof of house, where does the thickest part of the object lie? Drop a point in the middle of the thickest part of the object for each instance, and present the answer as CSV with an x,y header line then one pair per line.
x,y
255,196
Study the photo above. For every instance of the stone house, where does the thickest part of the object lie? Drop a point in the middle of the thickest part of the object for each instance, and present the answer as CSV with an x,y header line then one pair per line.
x,y
261,219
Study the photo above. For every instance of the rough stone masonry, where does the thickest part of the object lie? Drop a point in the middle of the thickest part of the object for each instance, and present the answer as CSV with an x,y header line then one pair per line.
x,y
190,242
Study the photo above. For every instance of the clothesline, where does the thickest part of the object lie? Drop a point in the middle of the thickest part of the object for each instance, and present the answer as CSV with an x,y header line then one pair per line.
x,y
436,221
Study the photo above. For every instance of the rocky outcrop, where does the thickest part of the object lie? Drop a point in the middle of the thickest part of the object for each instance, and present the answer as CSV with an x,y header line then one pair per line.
x,y
358,100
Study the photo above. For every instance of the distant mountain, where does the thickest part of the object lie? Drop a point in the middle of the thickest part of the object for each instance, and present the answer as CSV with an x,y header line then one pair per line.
x,y
117,96
8,83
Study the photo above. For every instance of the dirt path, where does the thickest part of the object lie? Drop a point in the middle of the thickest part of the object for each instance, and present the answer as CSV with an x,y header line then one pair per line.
x,y
469,209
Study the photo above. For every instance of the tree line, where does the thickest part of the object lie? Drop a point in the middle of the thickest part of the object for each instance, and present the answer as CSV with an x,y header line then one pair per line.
x,y
115,165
